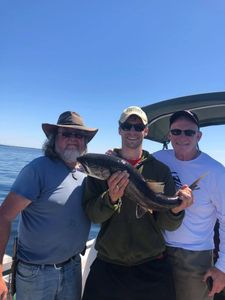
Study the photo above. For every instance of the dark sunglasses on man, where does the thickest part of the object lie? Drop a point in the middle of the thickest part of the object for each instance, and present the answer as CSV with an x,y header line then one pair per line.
x,y
127,126
68,134
187,132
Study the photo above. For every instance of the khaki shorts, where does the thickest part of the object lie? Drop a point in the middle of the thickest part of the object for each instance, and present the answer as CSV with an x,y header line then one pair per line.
x,y
189,268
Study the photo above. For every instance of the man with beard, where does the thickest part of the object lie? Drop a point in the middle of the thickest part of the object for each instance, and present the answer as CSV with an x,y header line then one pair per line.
x,y
130,261
53,227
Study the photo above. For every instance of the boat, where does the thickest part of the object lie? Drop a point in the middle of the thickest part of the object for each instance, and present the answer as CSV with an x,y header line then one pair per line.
x,y
210,108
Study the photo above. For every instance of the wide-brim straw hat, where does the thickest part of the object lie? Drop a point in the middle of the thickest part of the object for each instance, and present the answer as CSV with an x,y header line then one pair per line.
x,y
70,119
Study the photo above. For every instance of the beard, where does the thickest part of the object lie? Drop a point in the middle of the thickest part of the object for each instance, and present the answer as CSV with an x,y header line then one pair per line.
x,y
70,155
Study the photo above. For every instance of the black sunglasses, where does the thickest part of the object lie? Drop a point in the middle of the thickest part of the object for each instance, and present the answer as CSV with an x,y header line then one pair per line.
x,y
127,126
68,134
187,132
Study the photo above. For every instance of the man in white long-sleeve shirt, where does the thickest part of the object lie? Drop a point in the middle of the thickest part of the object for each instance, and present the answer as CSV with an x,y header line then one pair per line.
x,y
190,247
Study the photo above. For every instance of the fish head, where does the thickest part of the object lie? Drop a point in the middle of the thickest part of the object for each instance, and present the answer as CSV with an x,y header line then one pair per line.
x,y
94,165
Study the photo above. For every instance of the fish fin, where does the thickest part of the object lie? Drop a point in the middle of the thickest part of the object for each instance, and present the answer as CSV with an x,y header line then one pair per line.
x,y
194,185
141,211
156,186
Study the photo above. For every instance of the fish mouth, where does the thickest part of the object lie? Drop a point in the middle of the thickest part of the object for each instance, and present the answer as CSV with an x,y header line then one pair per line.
x,y
85,169
82,163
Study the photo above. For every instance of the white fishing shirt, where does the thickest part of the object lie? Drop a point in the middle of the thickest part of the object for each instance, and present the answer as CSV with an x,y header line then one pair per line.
x,y
197,229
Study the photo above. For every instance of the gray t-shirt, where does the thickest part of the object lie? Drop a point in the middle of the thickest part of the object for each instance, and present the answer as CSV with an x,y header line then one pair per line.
x,y
54,227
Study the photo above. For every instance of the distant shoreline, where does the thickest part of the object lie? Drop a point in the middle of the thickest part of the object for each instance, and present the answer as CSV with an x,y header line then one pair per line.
x,y
3,145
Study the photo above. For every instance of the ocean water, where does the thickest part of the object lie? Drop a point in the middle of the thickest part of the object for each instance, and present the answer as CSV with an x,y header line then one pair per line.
x,y
12,160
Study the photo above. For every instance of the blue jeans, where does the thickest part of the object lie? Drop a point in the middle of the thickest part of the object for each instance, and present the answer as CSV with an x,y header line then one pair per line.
x,y
43,282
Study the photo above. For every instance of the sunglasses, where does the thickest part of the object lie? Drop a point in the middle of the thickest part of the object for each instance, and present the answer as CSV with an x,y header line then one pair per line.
x,y
68,135
187,132
137,127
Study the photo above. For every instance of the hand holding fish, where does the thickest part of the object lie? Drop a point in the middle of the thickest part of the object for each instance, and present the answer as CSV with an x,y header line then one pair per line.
x,y
186,195
117,184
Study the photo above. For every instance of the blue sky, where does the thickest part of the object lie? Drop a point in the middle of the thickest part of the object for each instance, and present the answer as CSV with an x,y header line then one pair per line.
x,y
97,57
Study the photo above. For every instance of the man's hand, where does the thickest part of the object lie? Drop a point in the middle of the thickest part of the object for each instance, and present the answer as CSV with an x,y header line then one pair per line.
x,y
218,278
186,195
3,287
117,183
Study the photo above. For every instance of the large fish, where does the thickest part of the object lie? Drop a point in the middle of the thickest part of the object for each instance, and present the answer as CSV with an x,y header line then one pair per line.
x,y
102,166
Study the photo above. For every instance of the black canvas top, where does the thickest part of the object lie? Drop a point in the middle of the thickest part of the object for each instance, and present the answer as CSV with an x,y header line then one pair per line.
x,y
210,109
